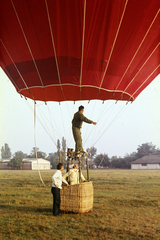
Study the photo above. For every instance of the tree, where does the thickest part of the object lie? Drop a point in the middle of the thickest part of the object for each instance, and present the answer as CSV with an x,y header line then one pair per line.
x,y
106,161
116,162
123,163
58,147
145,149
157,151
91,152
131,157
63,144
16,162
39,153
20,154
102,160
63,149
33,152
98,159
54,159
5,152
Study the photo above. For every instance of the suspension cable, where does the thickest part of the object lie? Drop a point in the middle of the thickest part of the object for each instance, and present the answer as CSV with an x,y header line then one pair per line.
x,y
99,119
35,145
44,127
109,125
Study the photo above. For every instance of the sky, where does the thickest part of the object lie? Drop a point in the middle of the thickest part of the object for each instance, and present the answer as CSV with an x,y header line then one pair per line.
x,y
120,128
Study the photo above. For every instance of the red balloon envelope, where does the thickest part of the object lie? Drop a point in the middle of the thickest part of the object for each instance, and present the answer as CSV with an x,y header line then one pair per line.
x,y
58,50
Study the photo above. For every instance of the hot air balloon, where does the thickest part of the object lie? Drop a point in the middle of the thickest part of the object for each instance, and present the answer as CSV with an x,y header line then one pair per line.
x,y
55,50
69,50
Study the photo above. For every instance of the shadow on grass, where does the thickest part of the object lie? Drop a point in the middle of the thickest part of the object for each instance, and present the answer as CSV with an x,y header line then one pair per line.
x,y
23,209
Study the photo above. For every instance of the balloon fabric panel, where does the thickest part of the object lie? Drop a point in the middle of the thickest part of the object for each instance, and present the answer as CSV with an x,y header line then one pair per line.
x,y
80,50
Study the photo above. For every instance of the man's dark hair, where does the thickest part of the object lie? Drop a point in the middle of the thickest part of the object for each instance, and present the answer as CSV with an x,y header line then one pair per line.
x,y
81,107
59,166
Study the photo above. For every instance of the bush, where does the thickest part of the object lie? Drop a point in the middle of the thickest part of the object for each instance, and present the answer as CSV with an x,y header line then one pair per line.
x,y
16,162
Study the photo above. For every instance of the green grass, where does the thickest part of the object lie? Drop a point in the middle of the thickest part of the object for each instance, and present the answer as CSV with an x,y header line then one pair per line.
x,y
126,206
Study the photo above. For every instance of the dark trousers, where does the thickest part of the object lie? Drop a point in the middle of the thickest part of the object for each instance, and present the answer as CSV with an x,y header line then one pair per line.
x,y
78,139
56,201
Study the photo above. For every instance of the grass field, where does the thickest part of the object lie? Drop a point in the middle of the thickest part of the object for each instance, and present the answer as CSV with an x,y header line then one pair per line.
x,y
126,206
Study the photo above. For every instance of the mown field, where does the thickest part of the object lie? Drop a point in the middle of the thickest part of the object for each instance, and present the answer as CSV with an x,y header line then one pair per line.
x,y
126,206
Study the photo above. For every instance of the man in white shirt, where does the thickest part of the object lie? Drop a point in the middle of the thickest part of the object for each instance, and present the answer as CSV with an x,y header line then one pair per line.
x,y
57,180
74,175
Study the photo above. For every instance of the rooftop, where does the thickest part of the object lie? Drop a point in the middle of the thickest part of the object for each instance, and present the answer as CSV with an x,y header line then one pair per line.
x,y
149,159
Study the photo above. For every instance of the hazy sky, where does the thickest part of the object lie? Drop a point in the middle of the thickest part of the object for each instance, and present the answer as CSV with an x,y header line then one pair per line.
x,y
120,128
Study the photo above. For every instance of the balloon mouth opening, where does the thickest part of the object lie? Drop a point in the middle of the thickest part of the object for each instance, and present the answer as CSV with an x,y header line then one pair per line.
x,y
68,92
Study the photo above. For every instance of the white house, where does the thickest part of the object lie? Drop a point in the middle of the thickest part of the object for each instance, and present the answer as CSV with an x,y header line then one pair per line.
x,y
147,162
35,164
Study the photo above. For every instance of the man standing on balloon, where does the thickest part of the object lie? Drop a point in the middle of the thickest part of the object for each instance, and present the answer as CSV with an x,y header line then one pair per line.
x,y
77,121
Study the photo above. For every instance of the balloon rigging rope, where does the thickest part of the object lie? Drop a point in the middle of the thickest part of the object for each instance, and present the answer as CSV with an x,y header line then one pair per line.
x,y
109,111
147,79
62,121
27,43
103,111
42,119
50,122
15,67
108,61
44,127
109,125
50,115
70,130
111,108
137,51
84,16
48,132
53,44
141,69
99,119
90,118
35,145
54,49
97,122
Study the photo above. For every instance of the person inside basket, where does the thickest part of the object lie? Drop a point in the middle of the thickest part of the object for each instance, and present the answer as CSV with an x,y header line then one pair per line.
x,y
56,186
74,175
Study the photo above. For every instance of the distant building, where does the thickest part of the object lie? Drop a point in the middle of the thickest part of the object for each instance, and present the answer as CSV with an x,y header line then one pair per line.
x,y
28,164
147,162
32,164
4,164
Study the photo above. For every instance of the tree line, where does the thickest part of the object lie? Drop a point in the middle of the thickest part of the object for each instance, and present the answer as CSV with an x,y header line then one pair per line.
x,y
16,159
102,160
95,160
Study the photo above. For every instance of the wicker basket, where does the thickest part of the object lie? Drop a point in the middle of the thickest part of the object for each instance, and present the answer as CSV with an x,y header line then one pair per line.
x,y
77,198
